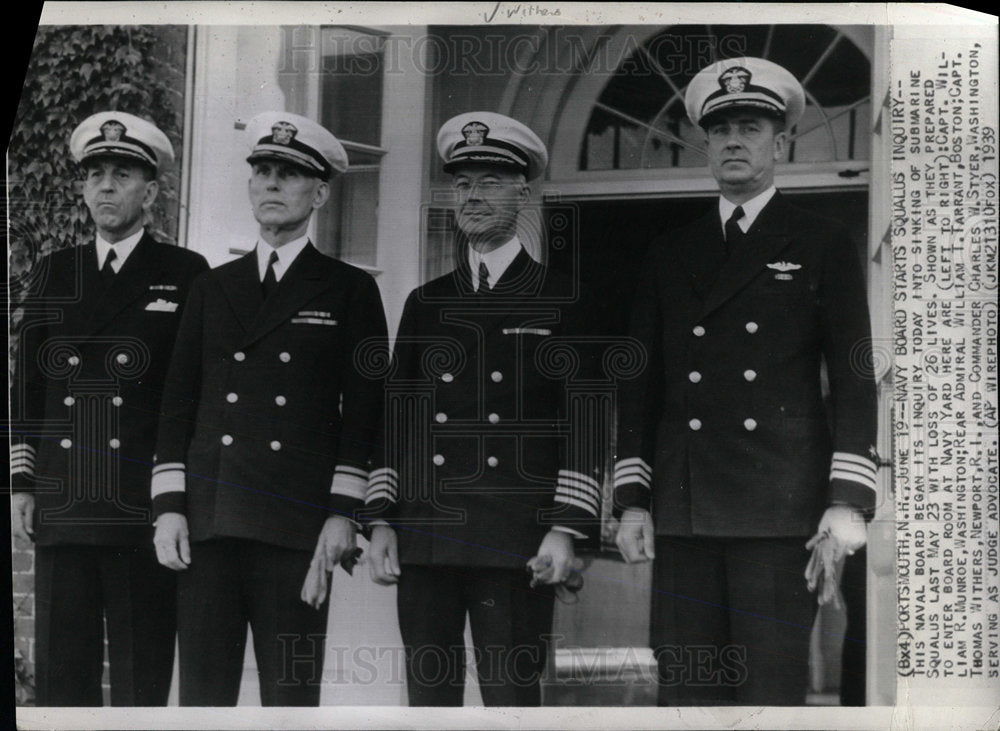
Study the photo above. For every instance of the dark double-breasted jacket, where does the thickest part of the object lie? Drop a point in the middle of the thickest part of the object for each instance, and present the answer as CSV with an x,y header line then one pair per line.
x,y
86,396
268,418
479,454
727,432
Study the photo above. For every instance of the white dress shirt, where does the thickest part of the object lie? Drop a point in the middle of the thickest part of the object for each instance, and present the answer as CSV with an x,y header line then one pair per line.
x,y
751,209
122,250
496,261
286,255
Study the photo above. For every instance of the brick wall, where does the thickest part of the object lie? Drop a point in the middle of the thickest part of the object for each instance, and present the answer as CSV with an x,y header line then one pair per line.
x,y
23,591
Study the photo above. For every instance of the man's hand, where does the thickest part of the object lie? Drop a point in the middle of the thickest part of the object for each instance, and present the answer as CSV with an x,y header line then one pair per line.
x,y
383,559
316,586
635,535
841,532
846,527
336,539
554,559
22,512
171,541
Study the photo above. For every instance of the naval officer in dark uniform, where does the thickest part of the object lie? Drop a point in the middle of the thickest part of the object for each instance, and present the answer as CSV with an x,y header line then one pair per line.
x,y
727,458
266,431
480,473
99,325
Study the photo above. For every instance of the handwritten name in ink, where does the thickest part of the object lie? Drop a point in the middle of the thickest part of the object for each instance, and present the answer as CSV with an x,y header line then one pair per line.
x,y
519,10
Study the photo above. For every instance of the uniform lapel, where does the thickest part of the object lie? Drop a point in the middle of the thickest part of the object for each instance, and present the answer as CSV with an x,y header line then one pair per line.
x,y
241,287
79,284
91,283
703,253
768,235
522,278
490,310
462,310
305,278
131,282
470,316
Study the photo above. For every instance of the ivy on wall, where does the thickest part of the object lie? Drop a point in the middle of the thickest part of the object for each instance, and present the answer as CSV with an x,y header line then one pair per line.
x,y
76,71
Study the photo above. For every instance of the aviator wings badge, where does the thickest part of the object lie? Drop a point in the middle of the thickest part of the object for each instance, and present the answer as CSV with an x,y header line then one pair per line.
x,y
783,267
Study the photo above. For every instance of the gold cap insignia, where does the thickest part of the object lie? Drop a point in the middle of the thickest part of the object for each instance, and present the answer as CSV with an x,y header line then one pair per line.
x,y
282,133
112,131
475,133
735,80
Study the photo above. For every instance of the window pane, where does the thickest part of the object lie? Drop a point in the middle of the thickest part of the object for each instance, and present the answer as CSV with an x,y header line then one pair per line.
x,y
438,253
347,223
636,88
351,87
814,146
360,157
690,154
843,78
798,47
351,108
612,143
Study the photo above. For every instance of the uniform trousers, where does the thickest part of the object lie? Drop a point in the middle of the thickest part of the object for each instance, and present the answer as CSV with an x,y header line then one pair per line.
x,y
80,589
510,624
231,583
853,586
731,620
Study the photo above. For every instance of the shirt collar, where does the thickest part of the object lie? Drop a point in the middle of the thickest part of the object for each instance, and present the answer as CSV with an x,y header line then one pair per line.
x,y
122,249
286,255
751,209
496,261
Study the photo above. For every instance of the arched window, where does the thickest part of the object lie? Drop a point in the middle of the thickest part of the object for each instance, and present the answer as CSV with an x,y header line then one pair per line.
x,y
638,121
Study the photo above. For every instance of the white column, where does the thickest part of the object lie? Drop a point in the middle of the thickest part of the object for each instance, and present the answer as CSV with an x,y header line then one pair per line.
x,y
235,78
365,651
881,595
403,175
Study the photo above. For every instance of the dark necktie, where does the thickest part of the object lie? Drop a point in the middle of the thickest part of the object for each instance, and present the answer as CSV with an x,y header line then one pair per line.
x,y
107,271
734,234
484,279
270,282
